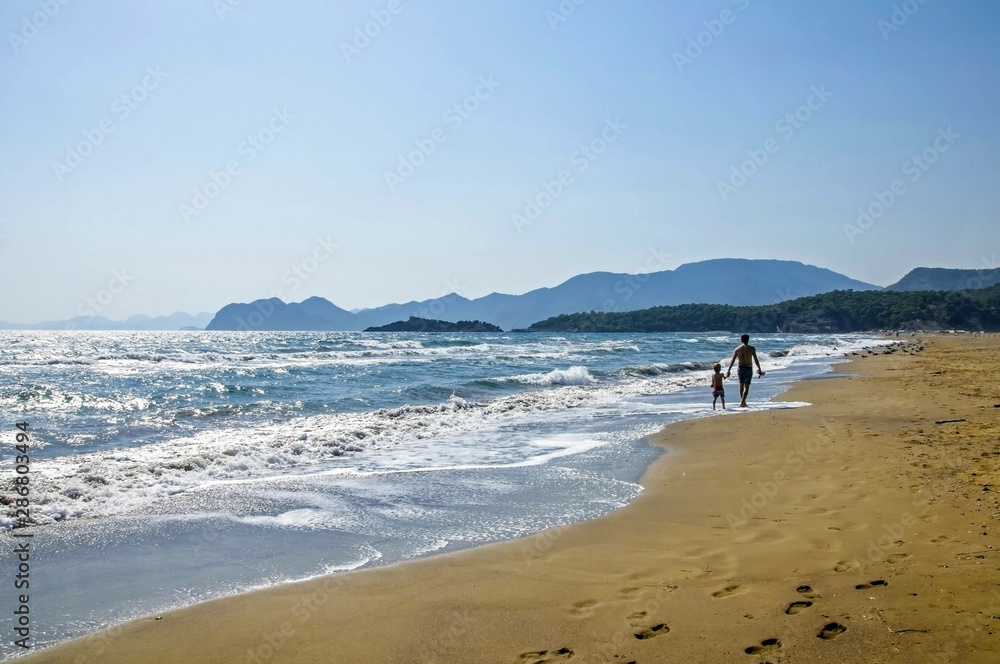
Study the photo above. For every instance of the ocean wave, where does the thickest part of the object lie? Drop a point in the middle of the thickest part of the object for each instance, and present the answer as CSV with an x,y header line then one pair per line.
x,y
52,399
646,370
381,343
577,375
426,392
357,351
611,348
117,481
447,342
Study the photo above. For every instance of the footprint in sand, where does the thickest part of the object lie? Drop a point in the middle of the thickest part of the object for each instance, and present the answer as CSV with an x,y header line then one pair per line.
x,y
797,607
727,591
831,631
584,608
766,646
650,632
636,618
845,565
940,539
545,656
871,584
897,558
807,591
628,592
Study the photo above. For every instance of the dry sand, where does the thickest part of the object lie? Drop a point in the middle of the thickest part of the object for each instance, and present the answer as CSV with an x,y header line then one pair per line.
x,y
859,529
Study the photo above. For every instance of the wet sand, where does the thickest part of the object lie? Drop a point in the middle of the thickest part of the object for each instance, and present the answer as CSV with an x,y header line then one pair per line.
x,y
860,529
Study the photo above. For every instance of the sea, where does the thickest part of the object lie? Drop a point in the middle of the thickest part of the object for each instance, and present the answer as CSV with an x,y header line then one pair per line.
x,y
169,468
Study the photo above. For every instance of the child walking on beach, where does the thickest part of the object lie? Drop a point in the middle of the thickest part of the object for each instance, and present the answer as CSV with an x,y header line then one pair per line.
x,y
717,389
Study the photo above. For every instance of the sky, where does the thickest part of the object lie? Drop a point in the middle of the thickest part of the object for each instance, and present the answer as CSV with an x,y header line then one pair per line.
x,y
178,155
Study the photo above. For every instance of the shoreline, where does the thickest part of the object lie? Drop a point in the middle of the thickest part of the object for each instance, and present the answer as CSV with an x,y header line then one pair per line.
x,y
621,463
698,575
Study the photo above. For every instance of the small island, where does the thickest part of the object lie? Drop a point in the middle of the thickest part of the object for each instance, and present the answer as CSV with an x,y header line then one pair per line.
x,y
415,324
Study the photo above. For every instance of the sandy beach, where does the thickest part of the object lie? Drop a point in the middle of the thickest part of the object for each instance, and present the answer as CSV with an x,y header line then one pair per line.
x,y
859,529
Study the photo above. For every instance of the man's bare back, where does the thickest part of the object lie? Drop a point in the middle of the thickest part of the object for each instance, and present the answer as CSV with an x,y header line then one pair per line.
x,y
745,355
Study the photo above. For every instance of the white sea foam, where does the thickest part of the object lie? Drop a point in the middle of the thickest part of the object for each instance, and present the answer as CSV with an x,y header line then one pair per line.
x,y
327,570
430,547
300,519
370,352
572,376
117,481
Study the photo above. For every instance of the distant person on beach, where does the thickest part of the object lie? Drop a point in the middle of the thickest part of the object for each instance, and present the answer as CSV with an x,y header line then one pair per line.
x,y
717,389
747,355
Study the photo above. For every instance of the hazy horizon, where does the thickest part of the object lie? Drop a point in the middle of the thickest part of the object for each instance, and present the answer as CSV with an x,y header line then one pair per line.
x,y
372,306
179,157
396,302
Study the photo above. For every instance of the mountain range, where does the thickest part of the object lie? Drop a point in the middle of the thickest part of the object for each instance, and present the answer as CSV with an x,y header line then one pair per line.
x,y
719,281
731,281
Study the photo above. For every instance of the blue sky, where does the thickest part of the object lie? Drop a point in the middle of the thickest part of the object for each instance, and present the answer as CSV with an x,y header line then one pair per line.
x,y
180,155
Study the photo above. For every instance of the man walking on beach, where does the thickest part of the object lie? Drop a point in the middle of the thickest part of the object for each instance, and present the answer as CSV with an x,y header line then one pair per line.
x,y
746,354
